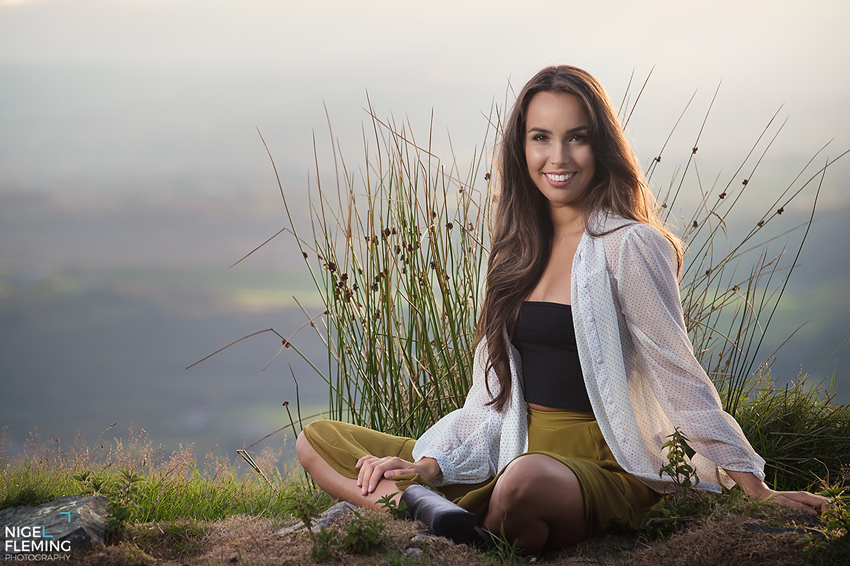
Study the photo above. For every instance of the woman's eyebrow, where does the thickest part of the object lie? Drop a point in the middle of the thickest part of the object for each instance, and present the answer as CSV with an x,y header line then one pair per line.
x,y
545,131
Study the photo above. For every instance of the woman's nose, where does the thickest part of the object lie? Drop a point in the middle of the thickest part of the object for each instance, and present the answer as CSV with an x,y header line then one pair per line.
x,y
560,154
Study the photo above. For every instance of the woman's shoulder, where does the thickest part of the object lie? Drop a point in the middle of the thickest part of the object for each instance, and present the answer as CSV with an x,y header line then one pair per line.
x,y
620,238
611,227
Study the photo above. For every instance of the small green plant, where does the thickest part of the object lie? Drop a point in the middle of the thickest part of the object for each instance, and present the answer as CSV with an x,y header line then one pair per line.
x,y
305,507
323,545
397,509
91,484
832,542
678,453
122,502
121,491
364,535
676,509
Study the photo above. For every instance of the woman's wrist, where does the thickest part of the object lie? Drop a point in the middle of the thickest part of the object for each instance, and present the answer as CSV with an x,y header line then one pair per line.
x,y
429,469
750,484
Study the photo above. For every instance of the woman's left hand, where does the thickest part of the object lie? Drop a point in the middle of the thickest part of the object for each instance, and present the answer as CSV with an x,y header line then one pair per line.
x,y
814,504
374,469
757,489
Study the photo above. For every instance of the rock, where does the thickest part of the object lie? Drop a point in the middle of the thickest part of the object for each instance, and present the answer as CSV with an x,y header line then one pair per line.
x,y
333,513
413,553
420,538
65,524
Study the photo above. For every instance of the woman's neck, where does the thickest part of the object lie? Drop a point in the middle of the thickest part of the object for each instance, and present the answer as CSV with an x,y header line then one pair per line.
x,y
567,221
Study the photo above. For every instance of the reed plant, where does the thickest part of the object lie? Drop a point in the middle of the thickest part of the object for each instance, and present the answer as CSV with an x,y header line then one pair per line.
x,y
397,251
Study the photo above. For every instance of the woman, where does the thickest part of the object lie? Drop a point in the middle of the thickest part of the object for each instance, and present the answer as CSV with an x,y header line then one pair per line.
x,y
583,365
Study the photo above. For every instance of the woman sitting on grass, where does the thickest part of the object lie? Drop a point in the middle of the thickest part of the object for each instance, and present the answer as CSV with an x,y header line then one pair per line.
x,y
583,365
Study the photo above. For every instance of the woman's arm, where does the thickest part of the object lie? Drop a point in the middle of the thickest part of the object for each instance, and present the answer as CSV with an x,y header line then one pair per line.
x,y
656,323
757,489
646,287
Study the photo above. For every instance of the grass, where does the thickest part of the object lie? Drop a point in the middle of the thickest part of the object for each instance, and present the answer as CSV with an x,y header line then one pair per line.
x,y
175,485
183,516
798,429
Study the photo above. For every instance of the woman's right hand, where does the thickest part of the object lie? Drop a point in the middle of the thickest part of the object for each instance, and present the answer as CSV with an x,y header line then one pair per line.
x,y
374,469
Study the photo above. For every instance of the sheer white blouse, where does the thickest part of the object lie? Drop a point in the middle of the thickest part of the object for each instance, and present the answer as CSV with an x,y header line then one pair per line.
x,y
638,365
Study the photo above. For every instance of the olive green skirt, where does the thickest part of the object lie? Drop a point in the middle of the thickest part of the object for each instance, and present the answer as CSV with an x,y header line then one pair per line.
x,y
612,497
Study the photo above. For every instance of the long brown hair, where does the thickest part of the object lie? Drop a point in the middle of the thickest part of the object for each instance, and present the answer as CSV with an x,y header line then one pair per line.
x,y
522,229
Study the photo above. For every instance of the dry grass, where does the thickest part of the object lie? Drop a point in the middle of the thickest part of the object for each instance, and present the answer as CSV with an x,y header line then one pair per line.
x,y
737,534
249,540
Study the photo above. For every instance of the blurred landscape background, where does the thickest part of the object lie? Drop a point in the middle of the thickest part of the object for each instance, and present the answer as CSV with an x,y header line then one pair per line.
x,y
132,175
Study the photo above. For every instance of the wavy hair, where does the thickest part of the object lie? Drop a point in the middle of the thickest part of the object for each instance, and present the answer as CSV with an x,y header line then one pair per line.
x,y
521,241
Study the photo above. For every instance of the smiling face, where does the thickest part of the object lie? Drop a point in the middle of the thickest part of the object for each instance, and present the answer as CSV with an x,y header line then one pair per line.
x,y
557,148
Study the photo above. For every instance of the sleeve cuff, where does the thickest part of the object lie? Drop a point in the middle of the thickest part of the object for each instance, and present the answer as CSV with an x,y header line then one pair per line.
x,y
447,469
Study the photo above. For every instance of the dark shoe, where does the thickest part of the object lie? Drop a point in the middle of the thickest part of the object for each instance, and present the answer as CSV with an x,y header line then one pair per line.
x,y
442,517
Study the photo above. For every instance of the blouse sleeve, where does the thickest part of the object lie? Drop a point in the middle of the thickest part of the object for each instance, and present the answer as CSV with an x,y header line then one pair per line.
x,y
465,442
648,292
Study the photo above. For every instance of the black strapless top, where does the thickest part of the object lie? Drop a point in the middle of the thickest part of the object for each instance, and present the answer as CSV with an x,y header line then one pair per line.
x,y
551,371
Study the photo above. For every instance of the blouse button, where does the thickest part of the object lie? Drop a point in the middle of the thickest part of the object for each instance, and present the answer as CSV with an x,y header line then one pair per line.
x,y
590,319
579,255
598,360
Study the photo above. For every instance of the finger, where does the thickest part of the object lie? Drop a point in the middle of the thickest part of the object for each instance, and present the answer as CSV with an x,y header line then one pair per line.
x,y
807,498
382,468
362,477
367,464
361,471
788,502
375,476
389,474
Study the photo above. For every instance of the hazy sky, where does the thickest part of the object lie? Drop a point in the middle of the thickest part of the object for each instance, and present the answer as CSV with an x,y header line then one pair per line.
x,y
164,95
128,141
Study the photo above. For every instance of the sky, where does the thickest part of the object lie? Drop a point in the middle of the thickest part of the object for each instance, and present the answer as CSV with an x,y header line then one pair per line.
x,y
132,173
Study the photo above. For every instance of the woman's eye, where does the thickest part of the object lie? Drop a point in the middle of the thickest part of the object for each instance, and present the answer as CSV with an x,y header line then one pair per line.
x,y
579,137
539,137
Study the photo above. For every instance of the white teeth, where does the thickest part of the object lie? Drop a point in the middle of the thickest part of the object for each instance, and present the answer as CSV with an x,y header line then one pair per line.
x,y
560,178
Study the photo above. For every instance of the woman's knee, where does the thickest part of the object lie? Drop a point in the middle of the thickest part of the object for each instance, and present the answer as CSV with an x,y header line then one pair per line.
x,y
529,478
516,484
304,450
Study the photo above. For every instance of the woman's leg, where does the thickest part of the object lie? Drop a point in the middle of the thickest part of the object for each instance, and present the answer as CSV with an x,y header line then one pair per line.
x,y
335,484
537,502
